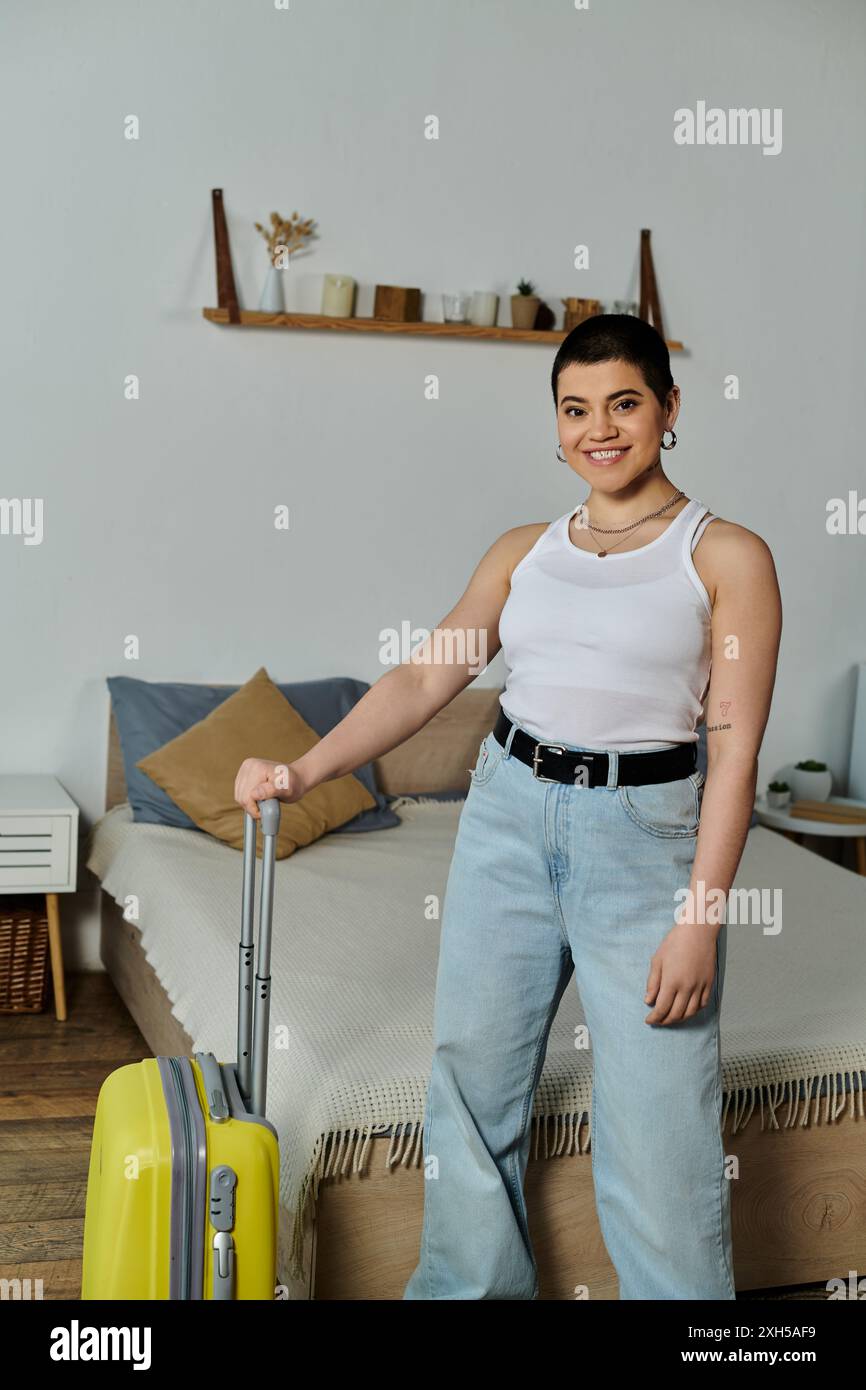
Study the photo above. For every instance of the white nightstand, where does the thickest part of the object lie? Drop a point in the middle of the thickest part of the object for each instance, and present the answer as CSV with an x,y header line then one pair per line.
x,y
39,853
795,827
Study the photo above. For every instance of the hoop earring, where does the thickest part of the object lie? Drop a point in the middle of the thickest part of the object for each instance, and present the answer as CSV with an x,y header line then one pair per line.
x,y
561,457
673,443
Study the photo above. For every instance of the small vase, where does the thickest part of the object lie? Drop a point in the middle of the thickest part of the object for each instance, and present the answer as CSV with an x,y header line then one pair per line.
x,y
484,309
777,801
524,308
810,786
272,300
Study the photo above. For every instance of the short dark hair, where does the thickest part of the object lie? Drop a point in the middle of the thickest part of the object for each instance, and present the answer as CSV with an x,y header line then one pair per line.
x,y
617,337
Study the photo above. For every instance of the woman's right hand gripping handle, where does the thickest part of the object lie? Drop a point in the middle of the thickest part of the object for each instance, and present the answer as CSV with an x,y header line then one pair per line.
x,y
259,778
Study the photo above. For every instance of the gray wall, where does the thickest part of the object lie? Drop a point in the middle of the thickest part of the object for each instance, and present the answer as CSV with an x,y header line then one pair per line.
x,y
556,128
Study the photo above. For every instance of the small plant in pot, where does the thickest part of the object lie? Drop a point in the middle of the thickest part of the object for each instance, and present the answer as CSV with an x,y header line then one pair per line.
x,y
811,781
778,795
524,305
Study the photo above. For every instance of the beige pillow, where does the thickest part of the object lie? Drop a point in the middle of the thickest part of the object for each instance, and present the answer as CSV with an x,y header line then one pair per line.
x,y
198,768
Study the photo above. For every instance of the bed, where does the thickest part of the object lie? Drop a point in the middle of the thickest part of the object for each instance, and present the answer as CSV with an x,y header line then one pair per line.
x,y
354,961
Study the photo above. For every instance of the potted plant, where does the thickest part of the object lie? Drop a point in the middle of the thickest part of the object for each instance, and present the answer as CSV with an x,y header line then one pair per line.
x,y
811,781
778,795
524,305
283,238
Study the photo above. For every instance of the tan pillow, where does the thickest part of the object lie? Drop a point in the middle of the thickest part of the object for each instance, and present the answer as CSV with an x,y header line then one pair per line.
x,y
438,757
198,768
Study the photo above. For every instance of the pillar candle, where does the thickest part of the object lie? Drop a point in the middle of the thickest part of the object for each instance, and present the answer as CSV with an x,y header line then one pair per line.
x,y
338,293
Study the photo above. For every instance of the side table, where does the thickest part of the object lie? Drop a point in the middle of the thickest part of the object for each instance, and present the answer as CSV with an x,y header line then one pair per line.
x,y
795,827
39,853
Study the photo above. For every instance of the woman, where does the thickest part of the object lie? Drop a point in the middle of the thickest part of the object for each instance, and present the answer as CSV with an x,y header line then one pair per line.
x,y
622,624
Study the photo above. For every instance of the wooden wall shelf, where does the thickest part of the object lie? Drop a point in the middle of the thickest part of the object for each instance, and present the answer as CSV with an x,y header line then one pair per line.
x,y
230,312
252,318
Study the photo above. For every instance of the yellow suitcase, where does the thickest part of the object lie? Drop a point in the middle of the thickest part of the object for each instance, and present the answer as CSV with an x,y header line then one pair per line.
x,y
183,1186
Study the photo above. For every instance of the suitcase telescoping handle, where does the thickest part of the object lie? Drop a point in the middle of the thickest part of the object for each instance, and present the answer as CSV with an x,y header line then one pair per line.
x,y
253,1021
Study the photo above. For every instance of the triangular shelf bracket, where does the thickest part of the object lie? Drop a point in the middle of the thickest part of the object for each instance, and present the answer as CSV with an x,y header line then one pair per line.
x,y
227,295
650,309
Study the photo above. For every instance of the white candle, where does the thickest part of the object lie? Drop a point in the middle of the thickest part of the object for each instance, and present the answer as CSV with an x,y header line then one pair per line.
x,y
338,293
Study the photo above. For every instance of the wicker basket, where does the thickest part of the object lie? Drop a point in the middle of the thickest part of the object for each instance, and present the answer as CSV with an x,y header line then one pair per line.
x,y
23,960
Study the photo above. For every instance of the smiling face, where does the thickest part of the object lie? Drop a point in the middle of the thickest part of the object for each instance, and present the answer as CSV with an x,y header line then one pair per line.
x,y
610,423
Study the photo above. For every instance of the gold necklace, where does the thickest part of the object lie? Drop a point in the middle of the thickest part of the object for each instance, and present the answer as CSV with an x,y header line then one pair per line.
x,y
632,526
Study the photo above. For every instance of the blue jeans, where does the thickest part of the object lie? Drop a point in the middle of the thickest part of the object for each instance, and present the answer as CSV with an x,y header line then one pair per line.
x,y
549,878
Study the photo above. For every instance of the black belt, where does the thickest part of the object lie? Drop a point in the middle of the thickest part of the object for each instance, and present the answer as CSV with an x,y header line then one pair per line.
x,y
551,762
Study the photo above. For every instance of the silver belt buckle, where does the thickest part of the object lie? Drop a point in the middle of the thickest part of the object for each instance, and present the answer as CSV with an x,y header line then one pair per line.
x,y
554,748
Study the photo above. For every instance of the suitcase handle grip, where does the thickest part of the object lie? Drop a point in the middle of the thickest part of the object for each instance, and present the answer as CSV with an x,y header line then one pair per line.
x,y
270,814
254,992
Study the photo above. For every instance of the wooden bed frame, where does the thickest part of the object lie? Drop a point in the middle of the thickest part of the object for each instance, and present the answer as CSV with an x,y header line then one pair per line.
x,y
799,1204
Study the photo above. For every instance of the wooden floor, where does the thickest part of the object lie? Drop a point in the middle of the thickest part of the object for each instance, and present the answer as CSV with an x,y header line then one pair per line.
x,y
50,1075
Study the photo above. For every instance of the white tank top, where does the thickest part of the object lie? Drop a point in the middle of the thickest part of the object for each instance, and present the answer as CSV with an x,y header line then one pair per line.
x,y
612,652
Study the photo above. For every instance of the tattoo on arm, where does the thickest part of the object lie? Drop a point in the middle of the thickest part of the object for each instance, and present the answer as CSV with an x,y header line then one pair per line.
x,y
724,706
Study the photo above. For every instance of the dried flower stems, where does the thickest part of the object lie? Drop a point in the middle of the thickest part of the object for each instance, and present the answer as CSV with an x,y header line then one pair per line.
x,y
285,236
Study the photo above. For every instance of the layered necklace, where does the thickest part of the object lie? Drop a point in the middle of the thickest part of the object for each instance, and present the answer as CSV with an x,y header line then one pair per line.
x,y
615,530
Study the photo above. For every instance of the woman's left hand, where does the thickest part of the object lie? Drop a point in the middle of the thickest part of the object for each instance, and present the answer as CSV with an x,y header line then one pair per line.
x,y
681,973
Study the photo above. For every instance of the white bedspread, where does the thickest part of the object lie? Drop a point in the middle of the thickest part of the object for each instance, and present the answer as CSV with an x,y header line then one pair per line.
x,y
354,965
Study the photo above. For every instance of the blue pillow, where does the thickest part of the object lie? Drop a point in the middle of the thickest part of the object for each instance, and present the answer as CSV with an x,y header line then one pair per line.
x,y
702,763
151,713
